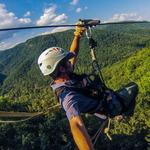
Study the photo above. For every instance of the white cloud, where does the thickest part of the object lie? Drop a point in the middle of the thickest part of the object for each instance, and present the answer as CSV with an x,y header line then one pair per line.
x,y
28,13
20,37
49,17
85,8
3,45
59,29
16,38
78,10
24,20
125,17
6,45
74,2
60,18
9,19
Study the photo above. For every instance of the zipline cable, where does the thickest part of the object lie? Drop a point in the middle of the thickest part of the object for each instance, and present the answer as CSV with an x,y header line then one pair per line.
x,y
92,23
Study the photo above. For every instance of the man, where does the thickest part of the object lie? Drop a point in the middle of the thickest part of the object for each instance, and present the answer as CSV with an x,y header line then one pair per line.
x,y
59,64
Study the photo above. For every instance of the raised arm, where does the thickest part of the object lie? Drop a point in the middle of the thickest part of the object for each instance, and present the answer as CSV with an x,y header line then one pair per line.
x,y
76,40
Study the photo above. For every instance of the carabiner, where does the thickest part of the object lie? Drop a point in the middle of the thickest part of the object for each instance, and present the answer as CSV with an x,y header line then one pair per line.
x,y
88,32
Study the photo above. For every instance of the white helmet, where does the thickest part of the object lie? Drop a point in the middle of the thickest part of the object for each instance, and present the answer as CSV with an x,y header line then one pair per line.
x,y
50,58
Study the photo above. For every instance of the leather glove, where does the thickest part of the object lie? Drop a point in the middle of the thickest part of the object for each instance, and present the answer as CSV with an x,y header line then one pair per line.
x,y
79,30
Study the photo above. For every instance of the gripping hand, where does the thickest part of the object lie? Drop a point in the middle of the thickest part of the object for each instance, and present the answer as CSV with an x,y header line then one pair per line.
x,y
79,30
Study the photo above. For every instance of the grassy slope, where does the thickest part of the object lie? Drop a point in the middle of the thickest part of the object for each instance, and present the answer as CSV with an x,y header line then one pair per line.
x,y
132,133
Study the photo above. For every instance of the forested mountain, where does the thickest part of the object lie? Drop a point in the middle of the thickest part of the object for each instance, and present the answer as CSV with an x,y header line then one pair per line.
x,y
123,52
19,64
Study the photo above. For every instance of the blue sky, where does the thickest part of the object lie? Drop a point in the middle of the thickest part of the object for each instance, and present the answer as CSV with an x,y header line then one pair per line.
x,y
46,12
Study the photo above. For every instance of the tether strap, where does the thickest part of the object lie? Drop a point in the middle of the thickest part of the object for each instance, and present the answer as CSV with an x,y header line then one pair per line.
x,y
102,128
99,131
106,130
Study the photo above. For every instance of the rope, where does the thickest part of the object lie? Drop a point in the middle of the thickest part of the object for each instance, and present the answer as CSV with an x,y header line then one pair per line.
x,y
95,137
30,116
22,120
102,128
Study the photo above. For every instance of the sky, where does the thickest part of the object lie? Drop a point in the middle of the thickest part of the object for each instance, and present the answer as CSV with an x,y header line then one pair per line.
x,y
49,12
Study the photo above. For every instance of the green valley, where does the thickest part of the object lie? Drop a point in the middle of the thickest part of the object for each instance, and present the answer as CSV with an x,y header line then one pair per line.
x,y
123,52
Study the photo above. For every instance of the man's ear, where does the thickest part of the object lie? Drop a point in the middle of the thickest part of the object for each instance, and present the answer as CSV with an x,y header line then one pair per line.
x,y
62,69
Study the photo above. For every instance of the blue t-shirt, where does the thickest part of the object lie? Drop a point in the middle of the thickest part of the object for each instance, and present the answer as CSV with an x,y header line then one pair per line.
x,y
73,102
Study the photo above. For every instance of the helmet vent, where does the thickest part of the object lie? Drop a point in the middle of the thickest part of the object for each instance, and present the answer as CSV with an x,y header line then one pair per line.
x,y
49,67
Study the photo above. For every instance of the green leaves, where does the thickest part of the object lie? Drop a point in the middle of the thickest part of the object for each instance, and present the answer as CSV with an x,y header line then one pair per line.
x,y
123,59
